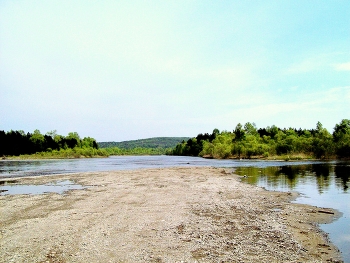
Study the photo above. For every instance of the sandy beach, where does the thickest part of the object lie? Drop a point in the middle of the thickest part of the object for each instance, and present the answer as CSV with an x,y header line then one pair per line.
x,y
161,215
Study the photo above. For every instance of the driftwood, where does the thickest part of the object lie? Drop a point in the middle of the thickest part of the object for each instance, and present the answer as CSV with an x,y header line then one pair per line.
x,y
326,212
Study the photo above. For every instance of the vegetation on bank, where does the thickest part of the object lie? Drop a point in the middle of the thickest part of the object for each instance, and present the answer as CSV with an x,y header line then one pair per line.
x,y
51,145
76,152
21,145
250,142
243,142
88,152
150,143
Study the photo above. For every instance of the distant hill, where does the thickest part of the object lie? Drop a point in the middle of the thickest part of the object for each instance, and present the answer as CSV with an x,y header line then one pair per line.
x,y
157,142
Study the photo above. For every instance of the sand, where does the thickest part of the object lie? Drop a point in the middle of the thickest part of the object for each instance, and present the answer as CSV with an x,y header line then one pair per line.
x,y
161,215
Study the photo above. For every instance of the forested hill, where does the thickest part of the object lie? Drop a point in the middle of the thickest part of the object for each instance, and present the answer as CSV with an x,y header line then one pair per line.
x,y
157,142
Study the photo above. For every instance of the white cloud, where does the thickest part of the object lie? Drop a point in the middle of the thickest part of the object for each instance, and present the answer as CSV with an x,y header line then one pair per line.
x,y
304,66
342,66
311,63
319,61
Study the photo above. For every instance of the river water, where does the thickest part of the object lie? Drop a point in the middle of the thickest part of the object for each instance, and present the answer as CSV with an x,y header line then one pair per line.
x,y
323,184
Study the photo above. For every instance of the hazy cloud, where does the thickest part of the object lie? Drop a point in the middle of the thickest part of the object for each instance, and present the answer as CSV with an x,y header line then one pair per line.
x,y
343,66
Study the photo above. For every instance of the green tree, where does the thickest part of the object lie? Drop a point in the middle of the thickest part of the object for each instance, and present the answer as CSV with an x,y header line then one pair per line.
x,y
322,142
208,149
250,128
222,145
74,135
239,149
216,132
341,136
52,134
284,142
38,141
89,142
341,130
73,140
273,131
239,133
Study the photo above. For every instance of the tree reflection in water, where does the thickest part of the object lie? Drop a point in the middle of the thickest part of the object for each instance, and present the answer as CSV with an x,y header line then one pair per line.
x,y
289,176
321,184
342,176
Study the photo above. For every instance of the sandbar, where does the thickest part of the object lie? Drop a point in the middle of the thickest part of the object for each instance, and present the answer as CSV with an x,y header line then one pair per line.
x,y
195,214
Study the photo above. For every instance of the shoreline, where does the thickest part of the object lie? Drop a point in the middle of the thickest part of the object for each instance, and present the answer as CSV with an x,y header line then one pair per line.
x,y
161,215
291,157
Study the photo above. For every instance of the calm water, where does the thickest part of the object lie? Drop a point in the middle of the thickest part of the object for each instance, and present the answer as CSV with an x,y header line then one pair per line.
x,y
9,168
324,184
321,184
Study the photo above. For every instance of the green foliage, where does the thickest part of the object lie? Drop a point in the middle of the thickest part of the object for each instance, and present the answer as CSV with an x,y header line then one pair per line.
x,y
290,144
89,142
322,142
194,146
273,130
250,128
343,146
222,145
38,140
77,152
341,130
243,142
341,137
239,133
50,145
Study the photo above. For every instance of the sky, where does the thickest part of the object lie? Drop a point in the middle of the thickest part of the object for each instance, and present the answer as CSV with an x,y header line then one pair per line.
x,y
125,70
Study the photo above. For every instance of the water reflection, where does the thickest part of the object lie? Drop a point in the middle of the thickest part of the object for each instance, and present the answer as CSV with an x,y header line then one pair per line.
x,y
320,184
342,175
290,176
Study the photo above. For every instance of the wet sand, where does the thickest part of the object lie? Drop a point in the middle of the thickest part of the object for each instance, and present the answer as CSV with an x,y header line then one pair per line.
x,y
161,215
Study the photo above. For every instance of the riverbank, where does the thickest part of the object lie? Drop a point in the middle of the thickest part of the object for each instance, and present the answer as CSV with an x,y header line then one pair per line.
x,y
39,156
61,154
161,215
78,152
282,157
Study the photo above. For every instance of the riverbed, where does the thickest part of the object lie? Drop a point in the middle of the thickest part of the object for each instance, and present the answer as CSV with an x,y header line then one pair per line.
x,y
194,214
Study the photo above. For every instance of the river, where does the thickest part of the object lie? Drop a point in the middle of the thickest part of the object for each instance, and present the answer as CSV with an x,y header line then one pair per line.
x,y
323,184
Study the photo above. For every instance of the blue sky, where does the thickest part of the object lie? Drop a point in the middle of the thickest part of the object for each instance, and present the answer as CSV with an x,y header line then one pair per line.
x,y
123,70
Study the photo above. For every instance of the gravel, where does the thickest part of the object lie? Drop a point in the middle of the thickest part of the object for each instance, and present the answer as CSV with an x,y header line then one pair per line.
x,y
161,215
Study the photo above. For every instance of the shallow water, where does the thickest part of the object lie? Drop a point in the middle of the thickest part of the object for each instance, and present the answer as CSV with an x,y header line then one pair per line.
x,y
324,184
14,168
59,187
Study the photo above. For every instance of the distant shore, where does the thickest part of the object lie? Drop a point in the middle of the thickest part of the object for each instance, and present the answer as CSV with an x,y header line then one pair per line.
x,y
161,215
291,157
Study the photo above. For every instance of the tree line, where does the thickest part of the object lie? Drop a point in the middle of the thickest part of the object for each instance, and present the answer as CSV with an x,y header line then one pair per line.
x,y
250,142
15,143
